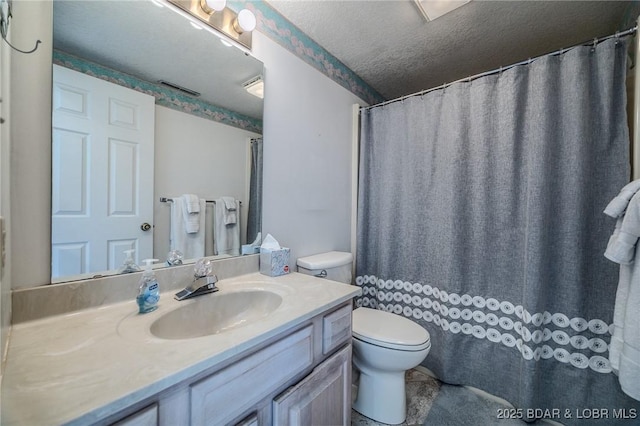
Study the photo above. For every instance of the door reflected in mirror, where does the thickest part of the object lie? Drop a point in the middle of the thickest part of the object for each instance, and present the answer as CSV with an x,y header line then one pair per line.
x,y
121,140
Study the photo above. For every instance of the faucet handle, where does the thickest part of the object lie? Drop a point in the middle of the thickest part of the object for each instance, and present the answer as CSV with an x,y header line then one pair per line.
x,y
203,267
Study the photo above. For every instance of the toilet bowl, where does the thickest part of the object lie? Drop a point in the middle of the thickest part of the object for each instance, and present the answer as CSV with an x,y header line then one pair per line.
x,y
385,345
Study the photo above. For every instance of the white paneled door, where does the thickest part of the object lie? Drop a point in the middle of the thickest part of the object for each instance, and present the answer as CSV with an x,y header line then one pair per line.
x,y
102,183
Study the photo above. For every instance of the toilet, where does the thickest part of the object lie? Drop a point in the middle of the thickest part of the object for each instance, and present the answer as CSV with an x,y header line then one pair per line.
x,y
385,345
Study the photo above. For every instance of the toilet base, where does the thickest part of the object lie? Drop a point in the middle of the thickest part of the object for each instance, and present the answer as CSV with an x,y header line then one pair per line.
x,y
382,397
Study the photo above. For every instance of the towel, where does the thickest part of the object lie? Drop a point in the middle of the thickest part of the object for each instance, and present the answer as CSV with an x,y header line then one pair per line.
x,y
621,245
192,203
226,236
229,212
191,213
618,205
624,350
190,244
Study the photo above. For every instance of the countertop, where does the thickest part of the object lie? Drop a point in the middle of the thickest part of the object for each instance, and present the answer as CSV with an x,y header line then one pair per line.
x,y
84,366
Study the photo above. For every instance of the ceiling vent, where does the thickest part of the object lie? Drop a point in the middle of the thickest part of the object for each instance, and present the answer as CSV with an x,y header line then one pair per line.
x,y
180,88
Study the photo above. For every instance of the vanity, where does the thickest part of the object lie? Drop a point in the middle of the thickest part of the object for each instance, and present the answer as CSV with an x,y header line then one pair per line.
x,y
278,352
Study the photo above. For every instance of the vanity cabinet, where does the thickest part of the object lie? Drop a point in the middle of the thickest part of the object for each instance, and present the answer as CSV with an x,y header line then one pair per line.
x,y
300,377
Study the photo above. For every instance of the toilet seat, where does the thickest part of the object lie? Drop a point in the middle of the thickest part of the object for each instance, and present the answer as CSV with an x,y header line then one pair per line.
x,y
388,330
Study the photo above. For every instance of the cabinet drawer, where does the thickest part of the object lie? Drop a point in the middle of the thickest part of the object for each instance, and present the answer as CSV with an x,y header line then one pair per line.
x,y
220,398
336,329
145,417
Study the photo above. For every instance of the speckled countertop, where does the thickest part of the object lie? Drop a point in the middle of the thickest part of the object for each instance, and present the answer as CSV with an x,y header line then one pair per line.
x,y
84,366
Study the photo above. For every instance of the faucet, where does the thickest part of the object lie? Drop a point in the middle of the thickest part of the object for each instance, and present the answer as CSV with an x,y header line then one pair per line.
x,y
203,269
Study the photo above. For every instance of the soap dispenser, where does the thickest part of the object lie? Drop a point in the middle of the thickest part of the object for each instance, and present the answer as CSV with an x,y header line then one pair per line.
x,y
129,265
149,291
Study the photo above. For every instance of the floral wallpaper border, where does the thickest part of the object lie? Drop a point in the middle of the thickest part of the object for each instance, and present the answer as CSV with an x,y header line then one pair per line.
x,y
279,29
164,96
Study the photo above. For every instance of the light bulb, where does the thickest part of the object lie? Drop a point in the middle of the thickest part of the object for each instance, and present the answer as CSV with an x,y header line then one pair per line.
x,y
246,21
212,6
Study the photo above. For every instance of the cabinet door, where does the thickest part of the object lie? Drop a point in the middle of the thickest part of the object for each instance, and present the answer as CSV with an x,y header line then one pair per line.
x,y
321,398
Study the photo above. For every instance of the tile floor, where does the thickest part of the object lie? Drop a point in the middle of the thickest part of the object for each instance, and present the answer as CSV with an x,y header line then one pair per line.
x,y
431,402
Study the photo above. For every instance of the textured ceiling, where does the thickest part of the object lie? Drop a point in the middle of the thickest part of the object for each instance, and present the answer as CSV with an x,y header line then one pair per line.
x,y
394,50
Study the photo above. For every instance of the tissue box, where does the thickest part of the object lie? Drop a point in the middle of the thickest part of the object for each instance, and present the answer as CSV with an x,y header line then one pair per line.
x,y
274,262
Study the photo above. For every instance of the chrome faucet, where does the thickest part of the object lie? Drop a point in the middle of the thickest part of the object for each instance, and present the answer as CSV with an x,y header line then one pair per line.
x,y
203,269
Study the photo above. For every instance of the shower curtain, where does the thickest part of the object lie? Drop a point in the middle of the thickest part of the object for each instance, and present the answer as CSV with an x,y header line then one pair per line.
x,y
254,220
480,218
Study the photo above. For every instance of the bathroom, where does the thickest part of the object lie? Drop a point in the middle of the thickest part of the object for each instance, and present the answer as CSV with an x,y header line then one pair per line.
x,y
304,140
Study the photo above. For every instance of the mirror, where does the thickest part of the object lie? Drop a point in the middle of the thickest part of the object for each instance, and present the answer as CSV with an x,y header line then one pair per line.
x,y
204,137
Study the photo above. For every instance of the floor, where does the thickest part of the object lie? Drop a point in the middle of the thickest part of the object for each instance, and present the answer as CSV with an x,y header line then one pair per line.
x,y
431,402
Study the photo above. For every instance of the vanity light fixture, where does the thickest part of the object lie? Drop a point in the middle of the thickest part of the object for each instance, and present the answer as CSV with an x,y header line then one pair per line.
x,y
245,21
225,23
255,86
212,6
432,9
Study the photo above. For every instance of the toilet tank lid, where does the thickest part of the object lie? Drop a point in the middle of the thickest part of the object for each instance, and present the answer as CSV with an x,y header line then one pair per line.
x,y
330,259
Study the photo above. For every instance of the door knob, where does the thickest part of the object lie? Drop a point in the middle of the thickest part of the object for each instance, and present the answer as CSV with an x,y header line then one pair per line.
x,y
145,226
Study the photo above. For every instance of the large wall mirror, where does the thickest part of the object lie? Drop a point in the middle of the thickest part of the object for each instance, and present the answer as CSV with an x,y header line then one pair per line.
x,y
121,157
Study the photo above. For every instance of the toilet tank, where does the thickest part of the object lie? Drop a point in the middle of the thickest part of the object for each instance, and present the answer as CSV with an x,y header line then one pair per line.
x,y
334,265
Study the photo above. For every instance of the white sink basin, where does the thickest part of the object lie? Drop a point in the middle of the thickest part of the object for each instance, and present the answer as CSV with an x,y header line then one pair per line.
x,y
215,313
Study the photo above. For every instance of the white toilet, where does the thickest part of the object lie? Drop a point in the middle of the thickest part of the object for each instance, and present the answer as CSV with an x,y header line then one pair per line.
x,y
385,345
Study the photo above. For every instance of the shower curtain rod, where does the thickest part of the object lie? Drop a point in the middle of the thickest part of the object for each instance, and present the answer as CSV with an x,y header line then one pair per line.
x,y
501,69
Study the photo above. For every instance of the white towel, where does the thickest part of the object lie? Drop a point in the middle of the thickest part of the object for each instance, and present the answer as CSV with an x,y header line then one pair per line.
x,y
618,205
193,203
226,237
191,213
230,210
624,350
191,244
621,246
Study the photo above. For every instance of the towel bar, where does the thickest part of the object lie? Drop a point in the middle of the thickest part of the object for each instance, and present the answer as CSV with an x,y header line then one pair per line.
x,y
170,200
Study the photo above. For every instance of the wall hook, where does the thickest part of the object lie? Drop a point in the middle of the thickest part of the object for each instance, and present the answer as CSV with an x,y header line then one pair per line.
x,y
5,16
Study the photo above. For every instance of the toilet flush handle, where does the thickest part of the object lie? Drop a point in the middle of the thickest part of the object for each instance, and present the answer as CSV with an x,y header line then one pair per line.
x,y
322,274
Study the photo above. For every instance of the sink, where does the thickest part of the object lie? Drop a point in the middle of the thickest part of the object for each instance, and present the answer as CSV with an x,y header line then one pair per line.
x,y
215,313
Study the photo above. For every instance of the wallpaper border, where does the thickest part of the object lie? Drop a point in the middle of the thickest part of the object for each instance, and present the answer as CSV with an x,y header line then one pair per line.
x,y
164,96
283,32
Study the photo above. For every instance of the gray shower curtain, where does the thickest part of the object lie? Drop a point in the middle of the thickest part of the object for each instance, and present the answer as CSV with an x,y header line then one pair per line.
x,y
480,218
254,220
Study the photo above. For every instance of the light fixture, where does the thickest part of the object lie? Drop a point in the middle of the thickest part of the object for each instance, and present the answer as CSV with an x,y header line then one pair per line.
x,y
432,9
245,21
214,16
255,86
212,6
